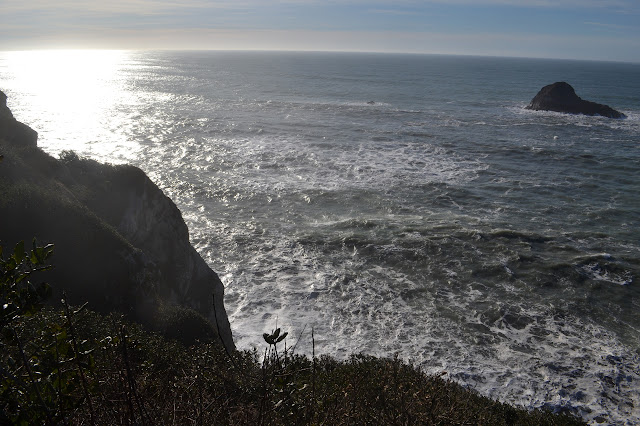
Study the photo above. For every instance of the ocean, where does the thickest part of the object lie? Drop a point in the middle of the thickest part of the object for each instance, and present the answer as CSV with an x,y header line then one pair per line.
x,y
395,204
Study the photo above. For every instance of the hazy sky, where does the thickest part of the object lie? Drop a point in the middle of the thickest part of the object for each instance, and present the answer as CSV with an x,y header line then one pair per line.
x,y
581,29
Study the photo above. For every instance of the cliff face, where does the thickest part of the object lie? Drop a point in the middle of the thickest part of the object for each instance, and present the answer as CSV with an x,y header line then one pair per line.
x,y
125,198
121,244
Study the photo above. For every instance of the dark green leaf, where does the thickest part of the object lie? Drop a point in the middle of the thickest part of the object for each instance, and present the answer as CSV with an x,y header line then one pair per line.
x,y
268,338
18,252
281,338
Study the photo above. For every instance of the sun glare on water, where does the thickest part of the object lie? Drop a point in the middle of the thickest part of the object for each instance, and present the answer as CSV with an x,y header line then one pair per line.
x,y
75,92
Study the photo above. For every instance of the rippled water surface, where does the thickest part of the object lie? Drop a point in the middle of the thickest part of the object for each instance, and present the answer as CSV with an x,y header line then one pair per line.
x,y
395,204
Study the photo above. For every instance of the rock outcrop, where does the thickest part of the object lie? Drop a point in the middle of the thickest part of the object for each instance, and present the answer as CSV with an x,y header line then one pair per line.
x,y
561,97
11,129
120,243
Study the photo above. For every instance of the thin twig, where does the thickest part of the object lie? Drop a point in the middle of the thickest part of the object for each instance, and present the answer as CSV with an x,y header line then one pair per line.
x,y
59,367
131,379
31,378
74,342
264,388
293,348
231,358
313,375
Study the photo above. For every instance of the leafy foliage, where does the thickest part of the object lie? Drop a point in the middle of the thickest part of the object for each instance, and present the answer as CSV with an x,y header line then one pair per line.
x,y
275,337
18,296
185,325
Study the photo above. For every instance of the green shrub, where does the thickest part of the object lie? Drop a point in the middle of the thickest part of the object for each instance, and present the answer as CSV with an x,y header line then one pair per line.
x,y
184,325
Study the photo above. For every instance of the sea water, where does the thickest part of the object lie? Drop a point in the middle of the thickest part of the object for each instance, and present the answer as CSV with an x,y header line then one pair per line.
x,y
395,204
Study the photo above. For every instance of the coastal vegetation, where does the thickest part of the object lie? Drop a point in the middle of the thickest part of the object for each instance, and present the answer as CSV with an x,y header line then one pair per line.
x,y
75,366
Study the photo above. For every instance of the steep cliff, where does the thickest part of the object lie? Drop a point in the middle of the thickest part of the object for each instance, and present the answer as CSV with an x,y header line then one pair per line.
x,y
121,244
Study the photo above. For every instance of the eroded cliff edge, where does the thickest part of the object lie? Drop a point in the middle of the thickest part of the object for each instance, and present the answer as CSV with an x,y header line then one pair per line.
x,y
121,244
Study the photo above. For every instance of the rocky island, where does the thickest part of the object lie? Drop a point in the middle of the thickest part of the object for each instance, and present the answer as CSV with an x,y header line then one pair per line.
x,y
561,97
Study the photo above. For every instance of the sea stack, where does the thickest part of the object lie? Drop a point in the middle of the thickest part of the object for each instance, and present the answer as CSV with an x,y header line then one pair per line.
x,y
561,97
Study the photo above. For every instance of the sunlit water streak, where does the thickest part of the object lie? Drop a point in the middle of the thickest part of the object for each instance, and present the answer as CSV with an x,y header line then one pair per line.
x,y
441,221
71,98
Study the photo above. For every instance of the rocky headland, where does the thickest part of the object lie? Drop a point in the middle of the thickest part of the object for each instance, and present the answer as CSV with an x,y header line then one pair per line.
x,y
120,243
561,97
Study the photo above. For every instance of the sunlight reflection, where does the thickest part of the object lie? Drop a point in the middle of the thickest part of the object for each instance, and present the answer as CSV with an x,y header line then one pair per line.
x,y
79,89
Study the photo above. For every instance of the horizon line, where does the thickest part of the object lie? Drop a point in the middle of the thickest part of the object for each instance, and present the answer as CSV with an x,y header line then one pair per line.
x,y
284,50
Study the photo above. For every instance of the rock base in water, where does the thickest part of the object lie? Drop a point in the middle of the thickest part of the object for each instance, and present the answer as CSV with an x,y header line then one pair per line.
x,y
561,97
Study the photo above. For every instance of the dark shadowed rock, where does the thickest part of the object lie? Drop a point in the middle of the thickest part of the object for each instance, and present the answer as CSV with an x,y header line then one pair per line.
x,y
4,109
561,97
11,129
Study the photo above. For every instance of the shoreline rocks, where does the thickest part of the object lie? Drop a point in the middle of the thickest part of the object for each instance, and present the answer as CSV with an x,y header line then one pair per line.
x,y
561,97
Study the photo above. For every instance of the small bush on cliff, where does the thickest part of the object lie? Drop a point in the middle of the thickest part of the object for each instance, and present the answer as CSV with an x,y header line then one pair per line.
x,y
18,295
184,325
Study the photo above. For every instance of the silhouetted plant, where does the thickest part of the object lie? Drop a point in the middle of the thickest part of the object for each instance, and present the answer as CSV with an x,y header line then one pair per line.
x,y
69,156
18,295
